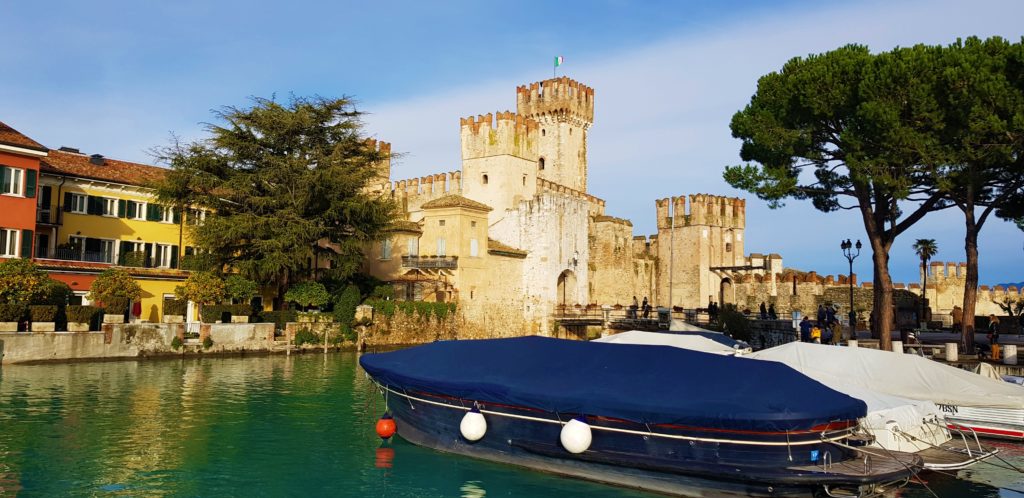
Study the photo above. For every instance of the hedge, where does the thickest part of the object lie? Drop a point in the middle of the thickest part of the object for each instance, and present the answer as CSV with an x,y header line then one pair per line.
x,y
43,312
214,312
175,307
239,309
81,314
12,312
279,318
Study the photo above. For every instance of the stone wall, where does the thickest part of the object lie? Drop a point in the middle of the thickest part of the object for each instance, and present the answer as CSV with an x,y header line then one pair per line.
x,y
131,341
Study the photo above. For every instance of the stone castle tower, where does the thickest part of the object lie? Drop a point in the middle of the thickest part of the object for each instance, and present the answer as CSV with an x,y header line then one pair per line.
x,y
564,110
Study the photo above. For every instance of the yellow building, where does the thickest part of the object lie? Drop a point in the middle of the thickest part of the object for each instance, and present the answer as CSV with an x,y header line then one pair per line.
x,y
94,213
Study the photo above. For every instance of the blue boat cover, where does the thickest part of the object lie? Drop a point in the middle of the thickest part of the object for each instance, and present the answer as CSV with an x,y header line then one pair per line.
x,y
640,383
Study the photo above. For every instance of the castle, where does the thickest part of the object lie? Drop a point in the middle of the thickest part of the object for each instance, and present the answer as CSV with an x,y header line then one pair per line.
x,y
513,236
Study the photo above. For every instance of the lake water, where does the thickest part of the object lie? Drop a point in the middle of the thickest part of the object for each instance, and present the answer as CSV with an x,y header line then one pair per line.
x,y
263,426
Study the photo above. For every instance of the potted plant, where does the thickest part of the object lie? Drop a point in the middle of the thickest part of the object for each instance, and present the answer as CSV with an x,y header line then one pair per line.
x,y
10,315
44,317
174,310
80,317
116,290
201,288
240,290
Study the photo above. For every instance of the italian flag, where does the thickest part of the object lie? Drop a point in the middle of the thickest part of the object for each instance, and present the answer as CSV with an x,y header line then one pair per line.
x,y
559,60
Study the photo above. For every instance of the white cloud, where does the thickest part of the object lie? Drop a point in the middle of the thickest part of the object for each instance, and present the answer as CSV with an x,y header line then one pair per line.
x,y
662,115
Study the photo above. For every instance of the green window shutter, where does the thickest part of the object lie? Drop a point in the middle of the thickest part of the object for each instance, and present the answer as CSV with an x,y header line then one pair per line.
x,y
189,250
153,212
177,216
4,179
30,183
67,202
174,256
132,208
26,244
94,205
122,208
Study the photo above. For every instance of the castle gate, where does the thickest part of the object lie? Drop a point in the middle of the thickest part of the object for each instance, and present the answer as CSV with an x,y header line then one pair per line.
x,y
726,293
567,289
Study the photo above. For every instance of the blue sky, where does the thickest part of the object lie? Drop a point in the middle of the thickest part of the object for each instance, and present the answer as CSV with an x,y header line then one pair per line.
x,y
117,78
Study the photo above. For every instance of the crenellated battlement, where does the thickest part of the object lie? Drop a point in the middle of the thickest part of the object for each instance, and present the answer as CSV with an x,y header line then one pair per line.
x,y
503,133
380,180
413,192
939,271
545,185
557,99
702,209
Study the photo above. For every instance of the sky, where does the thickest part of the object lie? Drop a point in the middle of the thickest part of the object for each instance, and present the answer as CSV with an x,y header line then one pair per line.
x,y
119,78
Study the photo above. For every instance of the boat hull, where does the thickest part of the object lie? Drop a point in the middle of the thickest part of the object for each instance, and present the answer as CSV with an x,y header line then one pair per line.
x,y
670,466
995,423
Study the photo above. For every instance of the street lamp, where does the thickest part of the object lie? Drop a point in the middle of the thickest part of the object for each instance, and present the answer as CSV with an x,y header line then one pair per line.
x,y
848,247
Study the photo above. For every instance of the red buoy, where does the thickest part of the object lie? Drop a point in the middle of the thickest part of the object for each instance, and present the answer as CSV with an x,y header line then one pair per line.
x,y
386,426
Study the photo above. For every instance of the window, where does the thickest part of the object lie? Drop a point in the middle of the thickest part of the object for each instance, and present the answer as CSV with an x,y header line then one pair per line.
x,y
440,247
106,253
78,203
472,224
543,132
196,216
474,248
162,255
485,179
109,206
8,243
12,181
385,249
75,247
540,164
440,223
413,247
728,247
167,215
136,210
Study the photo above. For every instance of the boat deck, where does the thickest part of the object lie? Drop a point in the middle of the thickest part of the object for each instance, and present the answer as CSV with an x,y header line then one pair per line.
x,y
870,463
953,456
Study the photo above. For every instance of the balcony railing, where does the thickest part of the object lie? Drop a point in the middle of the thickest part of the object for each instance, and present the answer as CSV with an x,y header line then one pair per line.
x,y
47,217
424,262
72,254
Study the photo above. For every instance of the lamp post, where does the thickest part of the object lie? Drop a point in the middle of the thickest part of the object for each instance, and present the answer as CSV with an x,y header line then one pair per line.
x,y
848,247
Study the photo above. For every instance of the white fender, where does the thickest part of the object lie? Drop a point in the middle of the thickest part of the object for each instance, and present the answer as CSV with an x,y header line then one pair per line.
x,y
473,426
576,436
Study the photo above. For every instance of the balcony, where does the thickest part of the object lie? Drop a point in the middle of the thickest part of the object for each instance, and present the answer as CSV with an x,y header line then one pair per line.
x,y
47,217
73,254
430,262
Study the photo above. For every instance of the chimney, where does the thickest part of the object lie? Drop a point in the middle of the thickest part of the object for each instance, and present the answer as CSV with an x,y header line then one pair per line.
x,y
70,149
96,159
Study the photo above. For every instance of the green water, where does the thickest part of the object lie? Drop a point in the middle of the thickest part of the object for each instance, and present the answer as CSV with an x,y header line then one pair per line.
x,y
258,426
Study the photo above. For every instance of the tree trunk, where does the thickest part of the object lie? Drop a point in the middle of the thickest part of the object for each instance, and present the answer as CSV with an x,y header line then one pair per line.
x,y
924,291
971,280
282,287
881,329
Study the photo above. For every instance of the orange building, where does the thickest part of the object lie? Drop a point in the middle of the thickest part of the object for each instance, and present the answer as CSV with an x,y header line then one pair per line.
x,y
19,179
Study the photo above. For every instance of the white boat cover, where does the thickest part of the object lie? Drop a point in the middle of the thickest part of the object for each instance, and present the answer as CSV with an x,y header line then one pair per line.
x,y
903,375
693,342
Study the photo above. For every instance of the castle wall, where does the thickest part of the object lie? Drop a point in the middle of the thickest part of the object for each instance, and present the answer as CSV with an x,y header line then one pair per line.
x,y
509,180
553,228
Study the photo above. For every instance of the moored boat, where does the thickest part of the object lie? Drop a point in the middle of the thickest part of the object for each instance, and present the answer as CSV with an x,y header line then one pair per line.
x,y
649,417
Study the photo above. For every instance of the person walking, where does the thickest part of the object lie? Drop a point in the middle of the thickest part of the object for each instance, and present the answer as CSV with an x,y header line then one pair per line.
x,y
805,330
632,308
821,315
646,307
958,319
772,315
993,330
764,311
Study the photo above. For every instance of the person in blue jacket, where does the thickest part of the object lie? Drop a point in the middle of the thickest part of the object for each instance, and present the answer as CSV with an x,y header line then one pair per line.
x,y
805,330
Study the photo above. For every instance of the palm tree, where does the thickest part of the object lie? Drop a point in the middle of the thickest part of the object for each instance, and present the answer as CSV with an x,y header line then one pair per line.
x,y
925,249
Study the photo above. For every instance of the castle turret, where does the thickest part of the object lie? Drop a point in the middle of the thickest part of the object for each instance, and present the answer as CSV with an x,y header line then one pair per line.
x,y
499,157
565,110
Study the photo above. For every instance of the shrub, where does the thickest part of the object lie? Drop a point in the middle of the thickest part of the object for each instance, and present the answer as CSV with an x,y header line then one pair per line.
x,y
385,292
239,309
386,308
207,343
176,343
134,258
11,312
239,288
347,334
54,292
307,294
279,318
21,281
115,289
175,307
43,312
345,305
213,312
441,310
203,288
81,314
306,336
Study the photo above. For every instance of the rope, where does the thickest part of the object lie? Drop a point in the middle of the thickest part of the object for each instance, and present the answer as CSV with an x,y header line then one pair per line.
x,y
614,429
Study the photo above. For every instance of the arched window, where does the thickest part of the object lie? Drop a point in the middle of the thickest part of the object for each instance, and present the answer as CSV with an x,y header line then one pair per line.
x,y
543,132
540,164
485,179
